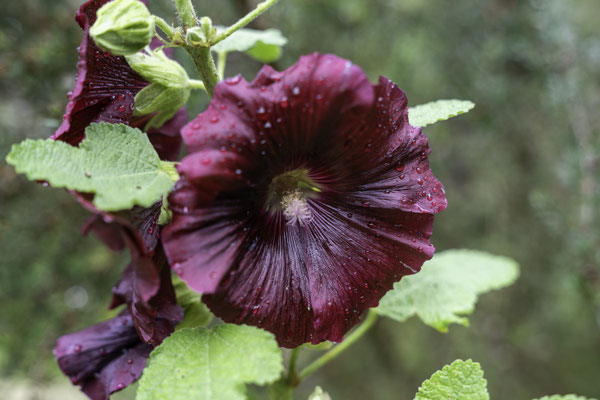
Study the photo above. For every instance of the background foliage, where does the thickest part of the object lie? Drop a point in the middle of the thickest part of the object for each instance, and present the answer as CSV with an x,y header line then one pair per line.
x,y
521,172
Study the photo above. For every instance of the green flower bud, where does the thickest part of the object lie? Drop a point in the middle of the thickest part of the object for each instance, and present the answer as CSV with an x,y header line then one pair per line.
x,y
123,27
169,89
156,67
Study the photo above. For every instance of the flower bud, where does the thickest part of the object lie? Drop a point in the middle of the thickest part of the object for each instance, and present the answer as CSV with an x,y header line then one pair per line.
x,y
123,27
169,89
156,67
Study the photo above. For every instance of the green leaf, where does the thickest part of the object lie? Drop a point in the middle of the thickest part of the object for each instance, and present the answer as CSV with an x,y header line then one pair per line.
x,y
448,286
462,380
565,397
196,314
116,162
318,394
441,110
264,46
210,364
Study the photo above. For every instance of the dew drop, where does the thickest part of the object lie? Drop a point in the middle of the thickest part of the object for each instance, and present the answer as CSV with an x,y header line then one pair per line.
x,y
371,225
130,361
233,81
78,348
284,102
267,125
349,215
214,119
121,97
121,108
296,91
261,110
400,168
419,170
238,171
206,161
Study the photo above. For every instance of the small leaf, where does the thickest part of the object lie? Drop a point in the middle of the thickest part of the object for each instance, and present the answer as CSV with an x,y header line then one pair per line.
x,y
196,314
462,380
318,394
448,286
116,162
210,364
441,110
264,46
565,397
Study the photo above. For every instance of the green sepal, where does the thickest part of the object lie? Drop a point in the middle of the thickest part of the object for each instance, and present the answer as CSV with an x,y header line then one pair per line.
x,y
162,100
123,27
156,67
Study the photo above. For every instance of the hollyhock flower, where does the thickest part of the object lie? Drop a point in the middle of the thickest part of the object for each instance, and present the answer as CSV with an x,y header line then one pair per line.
x,y
103,358
145,286
109,356
305,196
105,89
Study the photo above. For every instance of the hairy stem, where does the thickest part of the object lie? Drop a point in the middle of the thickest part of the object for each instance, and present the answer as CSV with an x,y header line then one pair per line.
x,y
206,67
337,350
163,26
186,12
260,8
221,61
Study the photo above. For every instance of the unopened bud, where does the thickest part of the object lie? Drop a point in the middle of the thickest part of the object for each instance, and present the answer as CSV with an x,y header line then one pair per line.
x,y
123,27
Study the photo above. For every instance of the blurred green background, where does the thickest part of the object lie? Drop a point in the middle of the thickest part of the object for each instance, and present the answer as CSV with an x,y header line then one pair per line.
x,y
522,173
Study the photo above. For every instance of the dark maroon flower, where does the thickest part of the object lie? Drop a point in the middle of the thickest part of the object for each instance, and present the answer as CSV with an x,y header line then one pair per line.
x,y
105,89
103,358
145,286
109,356
306,195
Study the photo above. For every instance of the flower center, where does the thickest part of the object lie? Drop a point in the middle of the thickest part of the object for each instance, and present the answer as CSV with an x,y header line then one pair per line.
x,y
289,192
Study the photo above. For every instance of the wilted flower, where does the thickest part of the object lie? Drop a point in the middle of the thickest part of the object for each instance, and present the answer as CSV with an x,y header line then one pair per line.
x,y
305,196
109,356
104,91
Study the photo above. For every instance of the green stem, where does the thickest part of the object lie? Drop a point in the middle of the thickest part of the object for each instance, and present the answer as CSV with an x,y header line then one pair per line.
x,y
196,84
162,24
206,67
260,8
337,350
221,61
186,12
292,374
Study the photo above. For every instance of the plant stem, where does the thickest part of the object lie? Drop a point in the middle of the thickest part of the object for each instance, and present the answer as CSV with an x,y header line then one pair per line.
x,y
206,67
337,350
162,24
186,12
196,84
260,8
292,375
221,61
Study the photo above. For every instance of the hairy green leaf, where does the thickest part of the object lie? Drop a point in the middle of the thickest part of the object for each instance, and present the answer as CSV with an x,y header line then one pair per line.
x,y
264,46
210,364
116,162
448,286
440,110
319,394
565,397
462,380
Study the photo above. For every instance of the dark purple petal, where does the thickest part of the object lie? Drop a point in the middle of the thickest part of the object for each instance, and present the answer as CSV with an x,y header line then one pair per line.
x,y
302,261
145,286
105,86
105,89
103,358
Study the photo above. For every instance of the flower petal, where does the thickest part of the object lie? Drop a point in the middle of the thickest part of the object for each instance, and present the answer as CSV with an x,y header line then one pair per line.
x,y
103,358
105,86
